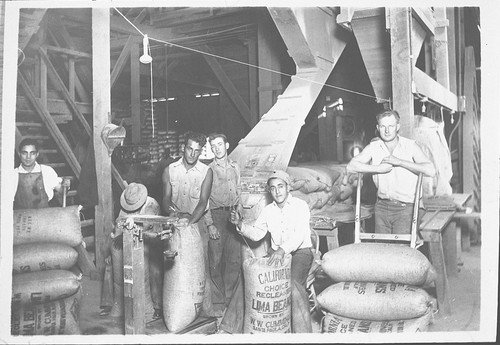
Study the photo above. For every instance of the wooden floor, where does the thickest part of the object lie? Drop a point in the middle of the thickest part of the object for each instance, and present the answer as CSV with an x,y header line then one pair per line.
x,y
465,303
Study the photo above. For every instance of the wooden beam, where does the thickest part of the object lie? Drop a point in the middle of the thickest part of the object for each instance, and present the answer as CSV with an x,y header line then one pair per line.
x,y
253,75
402,97
122,59
101,117
64,91
69,52
80,89
425,17
71,78
135,93
427,86
51,126
229,88
83,72
441,49
268,58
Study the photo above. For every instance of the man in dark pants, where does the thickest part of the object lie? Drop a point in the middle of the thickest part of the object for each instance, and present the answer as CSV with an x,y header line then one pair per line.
x,y
286,218
224,244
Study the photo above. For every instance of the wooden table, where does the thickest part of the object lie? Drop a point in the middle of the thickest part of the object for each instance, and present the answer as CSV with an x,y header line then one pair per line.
x,y
438,228
438,231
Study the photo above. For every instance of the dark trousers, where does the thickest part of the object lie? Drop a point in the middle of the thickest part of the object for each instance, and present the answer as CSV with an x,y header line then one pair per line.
x,y
232,322
224,256
394,217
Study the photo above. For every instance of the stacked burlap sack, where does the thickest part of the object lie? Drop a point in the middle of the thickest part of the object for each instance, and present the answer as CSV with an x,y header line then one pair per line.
x,y
184,280
379,288
46,295
321,184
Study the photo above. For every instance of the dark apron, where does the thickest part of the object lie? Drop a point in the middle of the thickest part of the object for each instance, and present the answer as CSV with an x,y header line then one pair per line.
x,y
30,192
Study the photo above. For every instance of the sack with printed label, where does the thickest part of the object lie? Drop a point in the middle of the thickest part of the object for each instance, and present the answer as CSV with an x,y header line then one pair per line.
x,y
43,286
32,257
375,301
268,296
56,317
332,323
52,224
378,262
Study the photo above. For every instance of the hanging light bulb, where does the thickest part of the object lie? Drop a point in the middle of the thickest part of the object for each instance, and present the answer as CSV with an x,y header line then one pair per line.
x,y
145,58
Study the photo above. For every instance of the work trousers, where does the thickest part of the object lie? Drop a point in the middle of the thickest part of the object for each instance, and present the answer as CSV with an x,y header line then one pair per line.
x,y
394,217
207,306
224,255
302,259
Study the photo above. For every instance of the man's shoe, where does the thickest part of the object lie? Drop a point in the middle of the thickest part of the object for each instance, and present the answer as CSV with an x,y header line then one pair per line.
x,y
158,314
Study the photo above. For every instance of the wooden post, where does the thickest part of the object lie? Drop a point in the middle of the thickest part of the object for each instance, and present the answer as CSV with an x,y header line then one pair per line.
x,y
135,93
101,113
441,47
133,282
401,55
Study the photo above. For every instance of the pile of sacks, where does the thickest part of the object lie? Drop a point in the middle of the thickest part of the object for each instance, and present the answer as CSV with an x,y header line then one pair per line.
x,y
46,295
321,184
379,288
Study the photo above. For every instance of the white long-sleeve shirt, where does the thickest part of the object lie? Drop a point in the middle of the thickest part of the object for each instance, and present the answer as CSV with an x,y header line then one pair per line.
x,y
289,226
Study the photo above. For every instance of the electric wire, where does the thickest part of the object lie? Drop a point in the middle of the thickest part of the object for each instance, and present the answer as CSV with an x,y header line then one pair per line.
x,y
248,64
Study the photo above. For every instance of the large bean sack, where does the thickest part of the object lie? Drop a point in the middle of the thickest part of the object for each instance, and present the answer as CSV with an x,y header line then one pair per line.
x,y
268,296
184,279
375,301
32,257
378,262
308,180
43,286
332,323
315,200
57,317
53,224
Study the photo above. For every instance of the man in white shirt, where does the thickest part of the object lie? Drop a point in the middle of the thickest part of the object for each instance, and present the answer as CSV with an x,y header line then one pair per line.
x,y
36,183
395,163
286,218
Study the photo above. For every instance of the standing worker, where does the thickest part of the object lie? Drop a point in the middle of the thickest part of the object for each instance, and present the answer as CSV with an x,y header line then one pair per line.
x,y
224,242
395,163
286,218
187,184
36,183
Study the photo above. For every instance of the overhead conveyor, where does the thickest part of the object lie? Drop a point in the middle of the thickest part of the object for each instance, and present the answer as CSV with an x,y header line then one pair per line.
x,y
315,43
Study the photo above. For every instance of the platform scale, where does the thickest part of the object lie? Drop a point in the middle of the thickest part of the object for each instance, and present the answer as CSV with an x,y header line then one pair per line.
x,y
133,275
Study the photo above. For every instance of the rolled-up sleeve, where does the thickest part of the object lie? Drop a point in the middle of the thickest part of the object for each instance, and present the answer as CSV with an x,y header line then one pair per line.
x,y
298,232
258,229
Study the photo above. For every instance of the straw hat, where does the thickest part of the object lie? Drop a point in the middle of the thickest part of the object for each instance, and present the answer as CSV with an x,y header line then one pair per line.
x,y
134,196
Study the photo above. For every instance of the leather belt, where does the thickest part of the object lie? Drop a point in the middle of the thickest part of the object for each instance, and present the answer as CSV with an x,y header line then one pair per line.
x,y
225,208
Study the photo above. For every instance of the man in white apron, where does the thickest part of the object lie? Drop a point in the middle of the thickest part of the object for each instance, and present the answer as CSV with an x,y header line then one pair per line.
x,y
36,183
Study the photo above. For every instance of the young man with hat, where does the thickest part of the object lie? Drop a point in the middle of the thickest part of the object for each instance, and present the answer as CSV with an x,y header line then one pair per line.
x,y
36,183
286,218
135,200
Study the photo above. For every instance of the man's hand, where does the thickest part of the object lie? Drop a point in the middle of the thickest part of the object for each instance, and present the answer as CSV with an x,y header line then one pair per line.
x,y
384,168
276,257
394,161
213,232
235,216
